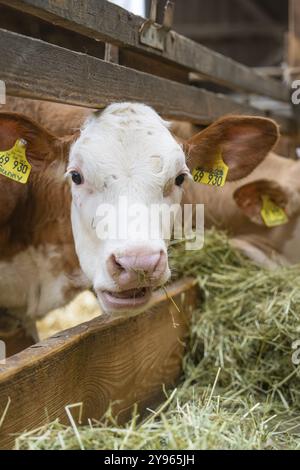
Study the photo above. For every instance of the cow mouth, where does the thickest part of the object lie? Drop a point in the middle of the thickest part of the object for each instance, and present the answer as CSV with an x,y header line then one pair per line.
x,y
126,299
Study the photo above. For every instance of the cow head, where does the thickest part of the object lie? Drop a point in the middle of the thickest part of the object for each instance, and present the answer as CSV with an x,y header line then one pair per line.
x,y
128,153
249,197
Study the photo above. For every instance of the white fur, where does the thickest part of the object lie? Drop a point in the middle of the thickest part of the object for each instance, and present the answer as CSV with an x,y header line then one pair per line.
x,y
127,150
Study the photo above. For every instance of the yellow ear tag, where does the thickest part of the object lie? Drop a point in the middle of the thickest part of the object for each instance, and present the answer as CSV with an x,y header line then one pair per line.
x,y
14,164
272,214
215,176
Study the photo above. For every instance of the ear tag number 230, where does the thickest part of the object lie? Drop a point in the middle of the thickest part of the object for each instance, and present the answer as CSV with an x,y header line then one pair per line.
x,y
14,164
214,176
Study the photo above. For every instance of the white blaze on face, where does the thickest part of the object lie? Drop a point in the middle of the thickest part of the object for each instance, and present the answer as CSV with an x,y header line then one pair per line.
x,y
124,153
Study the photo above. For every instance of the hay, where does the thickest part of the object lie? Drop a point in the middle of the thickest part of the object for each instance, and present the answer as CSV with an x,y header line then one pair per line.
x,y
83,308
240,388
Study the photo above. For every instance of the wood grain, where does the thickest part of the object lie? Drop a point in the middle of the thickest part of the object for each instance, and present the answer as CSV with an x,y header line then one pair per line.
x,y
106,22
35,69
97,362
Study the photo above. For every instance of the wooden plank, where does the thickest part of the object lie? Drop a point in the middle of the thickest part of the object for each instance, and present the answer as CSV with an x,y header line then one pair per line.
x,y
34,69
22,23
293,50
147,64
97,362
293,43
107,22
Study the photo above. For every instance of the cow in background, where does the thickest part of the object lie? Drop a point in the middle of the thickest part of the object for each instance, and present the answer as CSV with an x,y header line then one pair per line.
x,y
237,208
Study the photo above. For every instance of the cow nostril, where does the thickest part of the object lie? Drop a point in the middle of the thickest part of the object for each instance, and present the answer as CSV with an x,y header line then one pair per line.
x,y
117,263
161,263
114,267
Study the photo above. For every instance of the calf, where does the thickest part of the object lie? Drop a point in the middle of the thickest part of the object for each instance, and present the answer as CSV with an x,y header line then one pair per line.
x,y
49,247
237,207
60,119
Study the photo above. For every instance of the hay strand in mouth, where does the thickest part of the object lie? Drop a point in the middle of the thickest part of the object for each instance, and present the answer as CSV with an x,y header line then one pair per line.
x,y
169,297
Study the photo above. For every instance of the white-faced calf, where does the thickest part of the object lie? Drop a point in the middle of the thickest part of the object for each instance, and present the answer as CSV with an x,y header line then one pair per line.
x,y
49,246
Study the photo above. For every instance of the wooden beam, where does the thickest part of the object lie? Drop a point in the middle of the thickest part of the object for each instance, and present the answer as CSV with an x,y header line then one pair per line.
x,y
270,71
293,53
34,69
107,22
98,362
151,65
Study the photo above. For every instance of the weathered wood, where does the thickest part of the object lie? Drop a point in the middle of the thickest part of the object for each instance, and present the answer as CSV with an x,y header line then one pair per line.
x,y
104,21
22,23
98,362
111,53
147,64
293,51
34,69
293,43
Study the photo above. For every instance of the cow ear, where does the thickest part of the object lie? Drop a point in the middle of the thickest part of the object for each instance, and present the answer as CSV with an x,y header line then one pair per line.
x,y
42,147
242,141
249,198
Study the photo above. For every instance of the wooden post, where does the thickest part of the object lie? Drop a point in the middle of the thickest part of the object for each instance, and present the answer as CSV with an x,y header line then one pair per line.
x,y
292,72
293,52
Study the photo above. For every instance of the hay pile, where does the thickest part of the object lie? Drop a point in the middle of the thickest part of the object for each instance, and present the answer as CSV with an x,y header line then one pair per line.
x,y
83,308
240,388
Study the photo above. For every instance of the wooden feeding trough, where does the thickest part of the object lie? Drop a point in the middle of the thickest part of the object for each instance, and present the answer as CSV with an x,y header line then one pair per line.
x,y
101,361
111,55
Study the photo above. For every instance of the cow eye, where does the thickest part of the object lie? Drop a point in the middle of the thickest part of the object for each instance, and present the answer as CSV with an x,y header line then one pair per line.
x,y
76,177
180,179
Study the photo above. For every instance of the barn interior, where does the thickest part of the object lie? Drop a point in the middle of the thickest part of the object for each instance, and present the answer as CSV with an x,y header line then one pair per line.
x,y
213,363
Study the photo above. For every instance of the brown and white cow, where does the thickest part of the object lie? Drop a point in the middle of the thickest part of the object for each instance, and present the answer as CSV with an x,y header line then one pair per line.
x,y
237,208
49,248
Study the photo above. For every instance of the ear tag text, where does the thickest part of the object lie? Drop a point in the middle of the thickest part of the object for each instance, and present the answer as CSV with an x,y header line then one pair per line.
x,y
214,176
271,213
14,164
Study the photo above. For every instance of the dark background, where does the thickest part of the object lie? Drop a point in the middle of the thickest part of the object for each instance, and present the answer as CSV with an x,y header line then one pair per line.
x,y
250,31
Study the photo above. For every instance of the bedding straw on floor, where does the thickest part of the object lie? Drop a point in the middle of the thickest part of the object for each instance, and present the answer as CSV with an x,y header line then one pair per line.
x,y
241,382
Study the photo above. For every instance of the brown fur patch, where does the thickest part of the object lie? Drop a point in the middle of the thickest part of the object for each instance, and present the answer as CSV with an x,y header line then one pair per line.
x,y
244,141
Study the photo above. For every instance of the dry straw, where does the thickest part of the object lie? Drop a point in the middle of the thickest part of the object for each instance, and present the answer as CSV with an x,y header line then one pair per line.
x,y
240,388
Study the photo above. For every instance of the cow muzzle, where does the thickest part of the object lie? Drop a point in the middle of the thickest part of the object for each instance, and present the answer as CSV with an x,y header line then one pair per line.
x,y
135,273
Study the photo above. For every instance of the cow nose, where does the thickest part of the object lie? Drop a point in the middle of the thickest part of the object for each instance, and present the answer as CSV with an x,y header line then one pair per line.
x,y
145,263
129,268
